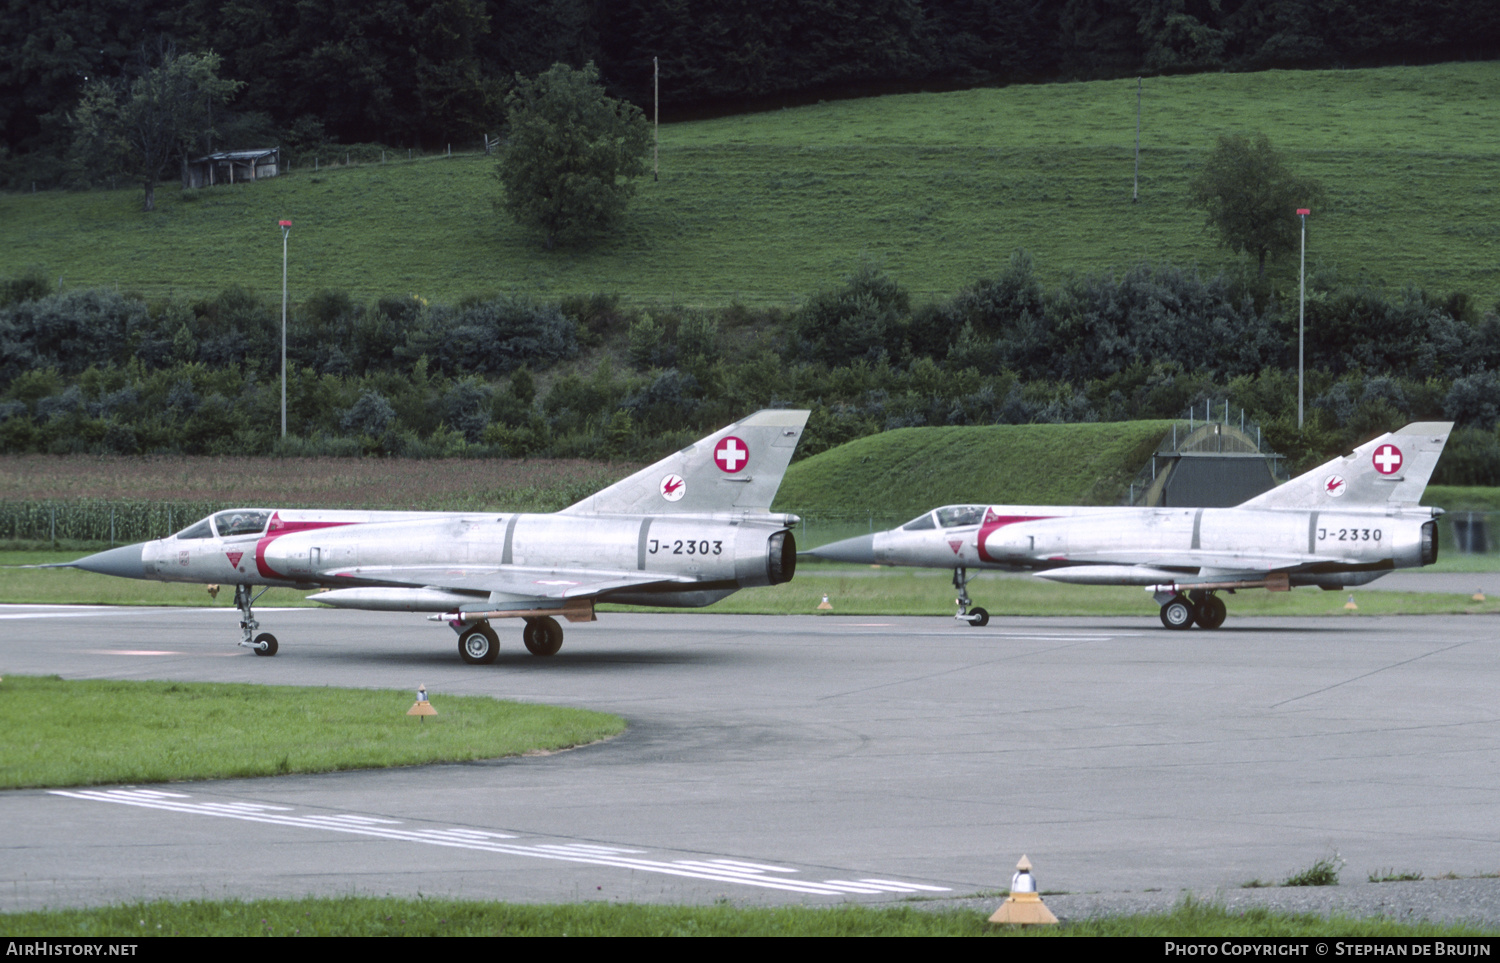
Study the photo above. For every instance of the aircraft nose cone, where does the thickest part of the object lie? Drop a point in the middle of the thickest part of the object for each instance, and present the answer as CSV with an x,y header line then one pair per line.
x,y
125,562
860,550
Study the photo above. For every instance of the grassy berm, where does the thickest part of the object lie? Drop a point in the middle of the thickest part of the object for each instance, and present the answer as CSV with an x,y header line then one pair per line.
x,y
166,731
910,470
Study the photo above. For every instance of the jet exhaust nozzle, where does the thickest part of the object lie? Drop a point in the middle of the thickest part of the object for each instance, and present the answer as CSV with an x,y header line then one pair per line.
x,y
781,557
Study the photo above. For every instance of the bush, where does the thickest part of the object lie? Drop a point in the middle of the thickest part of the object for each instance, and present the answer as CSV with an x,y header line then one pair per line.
x,y
865,319
492,337
30,285
370,416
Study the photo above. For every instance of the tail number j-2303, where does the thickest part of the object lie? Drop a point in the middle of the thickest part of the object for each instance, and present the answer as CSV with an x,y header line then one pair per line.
x,y
687,547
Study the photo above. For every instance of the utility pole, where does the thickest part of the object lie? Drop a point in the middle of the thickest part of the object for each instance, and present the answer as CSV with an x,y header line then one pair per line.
x,y
1135,193
656,121
1302,212
286,229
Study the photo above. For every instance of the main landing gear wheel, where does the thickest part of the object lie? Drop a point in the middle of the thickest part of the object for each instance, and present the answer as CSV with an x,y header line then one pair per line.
x,y
479,645
1211,612
1178,613
542,636
264,644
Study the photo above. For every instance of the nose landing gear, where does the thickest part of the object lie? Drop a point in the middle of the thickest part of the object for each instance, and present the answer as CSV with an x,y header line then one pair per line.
x,y
263,644
975,616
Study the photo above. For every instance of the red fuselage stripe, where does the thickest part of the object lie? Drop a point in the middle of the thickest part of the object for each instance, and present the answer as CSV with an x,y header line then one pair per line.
x,y
993,522
275,530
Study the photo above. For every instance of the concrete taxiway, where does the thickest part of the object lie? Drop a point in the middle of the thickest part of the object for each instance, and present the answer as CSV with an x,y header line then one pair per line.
x,y
806,759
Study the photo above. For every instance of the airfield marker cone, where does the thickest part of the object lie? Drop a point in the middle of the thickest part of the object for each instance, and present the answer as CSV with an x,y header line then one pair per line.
x,y
824,605
1024,906
1350,606
421,707
1478,595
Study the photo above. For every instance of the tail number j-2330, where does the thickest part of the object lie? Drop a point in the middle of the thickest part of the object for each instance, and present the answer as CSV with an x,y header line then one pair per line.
x,y
1349,534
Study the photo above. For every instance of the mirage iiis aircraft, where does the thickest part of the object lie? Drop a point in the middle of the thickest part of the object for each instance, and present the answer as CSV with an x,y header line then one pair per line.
x,y
685,532
1346,522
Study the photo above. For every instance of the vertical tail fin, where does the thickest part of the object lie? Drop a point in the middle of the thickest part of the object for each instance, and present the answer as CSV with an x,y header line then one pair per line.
x,y
1391,471
738,468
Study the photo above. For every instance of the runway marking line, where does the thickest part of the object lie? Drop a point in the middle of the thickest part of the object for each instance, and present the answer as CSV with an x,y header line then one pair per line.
x,y
762,875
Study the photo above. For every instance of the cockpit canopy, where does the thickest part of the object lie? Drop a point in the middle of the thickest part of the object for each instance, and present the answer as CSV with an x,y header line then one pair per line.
x,y
236,521
949,516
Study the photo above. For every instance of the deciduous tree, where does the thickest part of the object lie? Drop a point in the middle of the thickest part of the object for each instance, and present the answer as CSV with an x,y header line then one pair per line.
x,y
570,154
1252,197
139,126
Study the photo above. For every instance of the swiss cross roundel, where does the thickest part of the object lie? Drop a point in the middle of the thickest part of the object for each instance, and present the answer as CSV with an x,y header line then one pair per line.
x,y
1387,459
731,454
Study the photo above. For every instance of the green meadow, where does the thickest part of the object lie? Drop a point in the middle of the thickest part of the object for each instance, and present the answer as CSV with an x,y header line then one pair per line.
x,y
765,208
166,731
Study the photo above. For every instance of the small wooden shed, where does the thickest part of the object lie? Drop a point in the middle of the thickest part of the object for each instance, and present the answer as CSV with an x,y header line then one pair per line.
x,y
232,166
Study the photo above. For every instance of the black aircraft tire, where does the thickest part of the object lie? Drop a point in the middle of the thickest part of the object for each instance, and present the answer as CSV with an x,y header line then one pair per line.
x,y
1211,612
542,636
265,644
1177,614
978,617
479,645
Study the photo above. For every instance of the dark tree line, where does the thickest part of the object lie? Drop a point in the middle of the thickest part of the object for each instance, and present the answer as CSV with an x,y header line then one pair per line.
x,y
98,371
425,72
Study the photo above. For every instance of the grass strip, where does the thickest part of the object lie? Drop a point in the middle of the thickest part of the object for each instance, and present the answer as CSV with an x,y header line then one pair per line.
x,y
361,916
97,731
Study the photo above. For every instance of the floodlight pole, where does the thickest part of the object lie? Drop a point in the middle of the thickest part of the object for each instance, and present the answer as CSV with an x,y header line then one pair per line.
x,y
286,229
1302,212
655,120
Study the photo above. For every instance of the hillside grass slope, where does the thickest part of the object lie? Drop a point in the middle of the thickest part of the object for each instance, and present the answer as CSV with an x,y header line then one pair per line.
x,y
910,470
767,207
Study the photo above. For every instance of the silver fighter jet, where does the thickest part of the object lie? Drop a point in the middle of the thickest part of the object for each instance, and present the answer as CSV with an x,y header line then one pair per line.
x,y
685,532
1347,522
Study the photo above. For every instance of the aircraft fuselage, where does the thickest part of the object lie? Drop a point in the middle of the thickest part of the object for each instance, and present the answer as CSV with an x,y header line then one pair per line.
x,y
331,549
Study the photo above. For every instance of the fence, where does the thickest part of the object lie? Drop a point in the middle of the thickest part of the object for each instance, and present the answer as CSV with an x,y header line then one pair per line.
x,y
99,520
